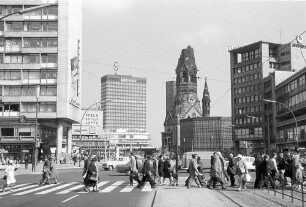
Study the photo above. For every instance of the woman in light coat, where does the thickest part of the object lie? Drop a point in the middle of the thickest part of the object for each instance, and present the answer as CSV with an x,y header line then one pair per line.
x,y
9,175
241,171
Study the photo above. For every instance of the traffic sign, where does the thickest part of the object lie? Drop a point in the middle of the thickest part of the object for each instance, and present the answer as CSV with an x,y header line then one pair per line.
x,y
23,119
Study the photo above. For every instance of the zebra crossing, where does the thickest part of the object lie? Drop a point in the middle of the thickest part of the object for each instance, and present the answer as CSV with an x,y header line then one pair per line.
x,y
73,187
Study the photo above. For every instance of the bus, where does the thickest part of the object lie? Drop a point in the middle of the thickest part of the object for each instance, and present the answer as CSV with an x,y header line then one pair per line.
x,y
205,158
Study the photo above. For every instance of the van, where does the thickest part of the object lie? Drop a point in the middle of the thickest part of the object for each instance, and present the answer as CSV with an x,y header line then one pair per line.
x,y
205,158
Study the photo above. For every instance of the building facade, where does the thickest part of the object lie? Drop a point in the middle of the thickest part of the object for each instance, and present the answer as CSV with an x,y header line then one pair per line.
x,y
249,65
40,73
124,103
206,134
290,130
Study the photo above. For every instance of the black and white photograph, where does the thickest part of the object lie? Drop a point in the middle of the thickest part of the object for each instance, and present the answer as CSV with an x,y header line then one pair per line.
x,y
153,103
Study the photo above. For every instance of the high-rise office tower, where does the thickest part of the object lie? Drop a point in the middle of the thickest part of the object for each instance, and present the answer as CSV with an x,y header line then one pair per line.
x,y
40,73
124,103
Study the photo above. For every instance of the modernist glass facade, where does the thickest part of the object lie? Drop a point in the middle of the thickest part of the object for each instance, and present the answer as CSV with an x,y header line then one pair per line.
x,y
124,103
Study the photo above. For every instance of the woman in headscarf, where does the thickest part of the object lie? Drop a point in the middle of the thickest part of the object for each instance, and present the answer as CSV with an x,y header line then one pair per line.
x,y
217,171
92,176
53,171
45,177
9,176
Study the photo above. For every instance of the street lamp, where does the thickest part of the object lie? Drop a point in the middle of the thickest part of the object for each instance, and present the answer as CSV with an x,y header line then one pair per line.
x,y
86,112
23,11
35,154
296,126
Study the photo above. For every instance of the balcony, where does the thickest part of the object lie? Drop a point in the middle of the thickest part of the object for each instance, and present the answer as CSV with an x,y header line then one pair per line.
x,y
39,50
40,17
10,139
10,114
20,66
40,115
29,34
7,99
48,65
28,2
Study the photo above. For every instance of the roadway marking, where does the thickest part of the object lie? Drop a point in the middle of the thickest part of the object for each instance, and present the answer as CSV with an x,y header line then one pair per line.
x,y
111,187
17,186
57,188
19,189
147,187
99,185
128,188
35,189
70,198
71,189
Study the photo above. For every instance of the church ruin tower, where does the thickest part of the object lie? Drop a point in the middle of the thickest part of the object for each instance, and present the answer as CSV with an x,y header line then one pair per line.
x,y
187,103
206,101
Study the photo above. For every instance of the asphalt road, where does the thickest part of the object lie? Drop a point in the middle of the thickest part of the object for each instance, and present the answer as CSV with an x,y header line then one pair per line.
x,y
114,192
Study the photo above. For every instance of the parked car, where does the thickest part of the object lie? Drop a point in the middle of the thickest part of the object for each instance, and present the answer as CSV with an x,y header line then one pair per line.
x,y
248,161
112,164
125,168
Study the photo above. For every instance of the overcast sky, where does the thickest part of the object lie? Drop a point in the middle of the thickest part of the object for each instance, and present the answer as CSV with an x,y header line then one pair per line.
x,y
146,38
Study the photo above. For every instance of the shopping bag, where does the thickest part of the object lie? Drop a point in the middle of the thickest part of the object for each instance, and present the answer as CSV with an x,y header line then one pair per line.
x,y
93,178
248,177
85,174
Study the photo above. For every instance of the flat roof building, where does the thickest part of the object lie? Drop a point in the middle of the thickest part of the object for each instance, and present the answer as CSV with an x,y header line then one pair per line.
x,y
40,74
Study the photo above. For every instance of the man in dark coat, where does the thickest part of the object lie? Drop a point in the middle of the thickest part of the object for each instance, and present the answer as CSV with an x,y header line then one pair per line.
x,y
193,172
281,168
231,169
266,172
87,161
147,173
258,163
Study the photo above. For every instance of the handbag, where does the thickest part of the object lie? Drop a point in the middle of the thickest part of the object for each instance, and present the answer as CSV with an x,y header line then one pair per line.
x,y
248,177
4,177
85,174
93,178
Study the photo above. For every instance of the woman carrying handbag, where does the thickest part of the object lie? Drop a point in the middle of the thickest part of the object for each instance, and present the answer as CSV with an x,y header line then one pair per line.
x,y
92,176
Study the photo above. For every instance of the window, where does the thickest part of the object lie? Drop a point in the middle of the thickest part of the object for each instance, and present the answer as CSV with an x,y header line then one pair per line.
x,y
28,91
49,26
49,42
47,107
52,58
48,90
32,42
10,75
7,132
29,107
53,10
14,26
285,63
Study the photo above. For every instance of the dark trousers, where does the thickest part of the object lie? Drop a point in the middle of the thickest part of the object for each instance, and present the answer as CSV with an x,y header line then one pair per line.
x,y
232,178
195,178
266,179
257,183
134,176
147,177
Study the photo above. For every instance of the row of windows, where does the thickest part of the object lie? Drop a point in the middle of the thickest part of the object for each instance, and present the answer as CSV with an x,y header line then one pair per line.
x,y
248,132
246,68
274,65
247,110
285,63
247,99
292,101
250,55
291,85
285,53
30,27
247,78
29,90
29,107
290,133
248,88
15,44
51,10
257,119
28,58
27,74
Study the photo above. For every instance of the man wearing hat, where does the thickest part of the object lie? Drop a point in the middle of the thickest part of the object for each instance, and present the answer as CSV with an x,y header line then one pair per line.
x,y
147,173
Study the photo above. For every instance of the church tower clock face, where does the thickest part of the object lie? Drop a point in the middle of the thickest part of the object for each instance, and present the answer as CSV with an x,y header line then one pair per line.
x,y
187,103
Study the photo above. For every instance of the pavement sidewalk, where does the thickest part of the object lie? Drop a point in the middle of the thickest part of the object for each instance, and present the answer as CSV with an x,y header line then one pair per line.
x,y
180,196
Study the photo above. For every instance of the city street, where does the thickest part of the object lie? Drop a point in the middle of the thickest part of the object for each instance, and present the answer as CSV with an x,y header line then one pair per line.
x,y
114,191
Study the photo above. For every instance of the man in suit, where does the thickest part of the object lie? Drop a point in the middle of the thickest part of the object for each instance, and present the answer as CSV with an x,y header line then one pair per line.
x,y
193,171
147,173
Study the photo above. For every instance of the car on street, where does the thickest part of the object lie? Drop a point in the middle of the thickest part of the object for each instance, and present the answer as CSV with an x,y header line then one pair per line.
x,y
125,168
112,164
248,161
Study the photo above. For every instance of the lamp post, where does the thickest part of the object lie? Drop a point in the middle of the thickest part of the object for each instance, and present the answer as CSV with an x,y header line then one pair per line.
x,y
178,137
296,126
35,153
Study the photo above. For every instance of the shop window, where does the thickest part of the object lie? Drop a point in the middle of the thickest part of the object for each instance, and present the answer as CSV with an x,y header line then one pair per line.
x,y
7,132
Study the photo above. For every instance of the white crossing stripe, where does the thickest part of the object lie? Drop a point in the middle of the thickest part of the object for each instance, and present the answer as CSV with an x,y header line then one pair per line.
x,y
19,189
71,189
17,186
128,188
56,188
99,185
111,187
70,198
147,187
36,189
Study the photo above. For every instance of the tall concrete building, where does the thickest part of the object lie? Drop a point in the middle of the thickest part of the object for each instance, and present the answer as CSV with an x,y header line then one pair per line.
x,y
40,73
124,104
249,65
